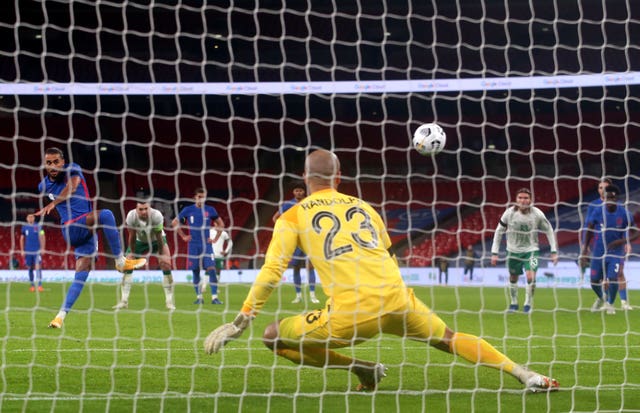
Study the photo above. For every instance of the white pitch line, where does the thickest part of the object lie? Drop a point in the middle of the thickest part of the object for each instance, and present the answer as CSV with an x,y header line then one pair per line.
x,y
187,349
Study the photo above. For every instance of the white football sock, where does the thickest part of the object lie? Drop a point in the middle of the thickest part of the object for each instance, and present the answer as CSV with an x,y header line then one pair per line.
x,y
513,290
127,282
528,294
167,285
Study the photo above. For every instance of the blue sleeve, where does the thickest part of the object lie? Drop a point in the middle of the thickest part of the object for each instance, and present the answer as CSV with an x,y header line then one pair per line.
x,y
586,224
286,206
74,170
588,218
213,213
182,214
590,210
631,222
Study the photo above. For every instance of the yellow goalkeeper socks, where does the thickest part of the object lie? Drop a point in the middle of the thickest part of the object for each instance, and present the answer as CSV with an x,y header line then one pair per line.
x,y
476,350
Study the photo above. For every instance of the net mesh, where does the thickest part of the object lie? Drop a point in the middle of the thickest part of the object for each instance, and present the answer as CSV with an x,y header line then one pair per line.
x,y
159,98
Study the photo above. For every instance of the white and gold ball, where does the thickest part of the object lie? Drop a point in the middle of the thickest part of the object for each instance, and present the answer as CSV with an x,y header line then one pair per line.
x,y
429,139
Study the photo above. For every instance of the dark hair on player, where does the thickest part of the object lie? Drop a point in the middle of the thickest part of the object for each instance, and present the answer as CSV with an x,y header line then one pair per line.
x,y
299,185
200,191
612,189
522,190
146,199
54,151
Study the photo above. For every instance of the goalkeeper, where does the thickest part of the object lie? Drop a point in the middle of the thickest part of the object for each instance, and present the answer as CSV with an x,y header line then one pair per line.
x,y
145,227
349,246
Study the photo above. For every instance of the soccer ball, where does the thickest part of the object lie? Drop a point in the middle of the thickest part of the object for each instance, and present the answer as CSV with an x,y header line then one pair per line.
x,y
429,139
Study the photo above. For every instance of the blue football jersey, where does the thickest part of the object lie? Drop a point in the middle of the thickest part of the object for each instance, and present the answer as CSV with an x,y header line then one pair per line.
x,y
79,204
199,221
31,234
609,227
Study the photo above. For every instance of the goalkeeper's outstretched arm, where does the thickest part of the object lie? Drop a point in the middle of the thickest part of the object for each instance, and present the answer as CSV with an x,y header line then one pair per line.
x,y
278,255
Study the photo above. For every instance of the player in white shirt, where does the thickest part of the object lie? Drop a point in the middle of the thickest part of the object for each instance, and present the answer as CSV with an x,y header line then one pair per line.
x,y
522,224
145,227
221,250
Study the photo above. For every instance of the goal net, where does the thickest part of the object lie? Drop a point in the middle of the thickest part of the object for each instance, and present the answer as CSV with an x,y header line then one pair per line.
x,y
155,99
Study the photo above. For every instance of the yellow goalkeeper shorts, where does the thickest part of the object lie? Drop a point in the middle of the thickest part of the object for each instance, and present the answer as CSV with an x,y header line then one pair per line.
x,y
323,328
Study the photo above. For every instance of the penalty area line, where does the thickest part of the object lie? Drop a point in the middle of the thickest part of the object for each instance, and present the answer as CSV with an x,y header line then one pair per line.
x,y
227,349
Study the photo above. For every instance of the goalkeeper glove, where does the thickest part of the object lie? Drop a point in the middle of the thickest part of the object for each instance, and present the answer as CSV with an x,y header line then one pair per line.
x,y
226,332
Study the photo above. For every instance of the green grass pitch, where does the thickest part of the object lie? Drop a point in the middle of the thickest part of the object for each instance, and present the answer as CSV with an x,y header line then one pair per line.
x,y
147,359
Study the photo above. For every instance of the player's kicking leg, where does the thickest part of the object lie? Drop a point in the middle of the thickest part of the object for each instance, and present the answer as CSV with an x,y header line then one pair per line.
x,y
107,222
83,264
85,243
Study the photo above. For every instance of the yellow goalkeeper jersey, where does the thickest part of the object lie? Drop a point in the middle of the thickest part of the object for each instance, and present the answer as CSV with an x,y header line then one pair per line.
x,y
347,243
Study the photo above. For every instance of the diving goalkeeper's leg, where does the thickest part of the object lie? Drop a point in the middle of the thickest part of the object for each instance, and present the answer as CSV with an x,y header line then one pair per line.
x,y
421,323
316,353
